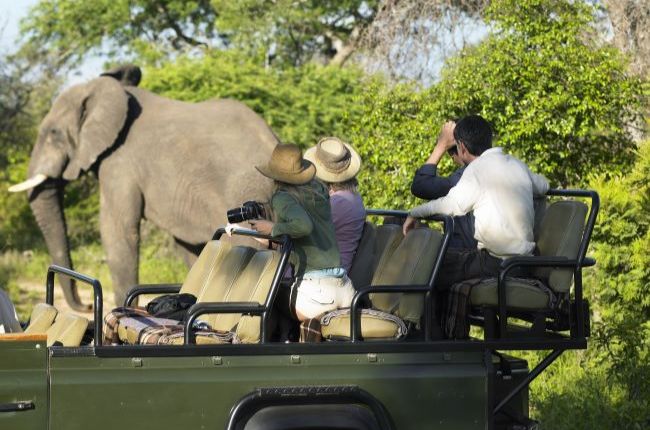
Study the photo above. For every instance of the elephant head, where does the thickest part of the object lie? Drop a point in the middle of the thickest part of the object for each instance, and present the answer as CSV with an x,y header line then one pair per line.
x,y
83,123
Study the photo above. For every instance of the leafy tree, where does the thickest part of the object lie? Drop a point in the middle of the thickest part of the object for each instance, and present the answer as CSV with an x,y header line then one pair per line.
x,y
62,32
394,134
608,386
16,133
557,98
294,32
621,285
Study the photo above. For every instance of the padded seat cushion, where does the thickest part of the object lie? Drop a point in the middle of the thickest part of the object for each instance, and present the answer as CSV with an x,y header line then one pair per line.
x,y
252,285
410,263
521,293
42,318
67,330
375,324
560,235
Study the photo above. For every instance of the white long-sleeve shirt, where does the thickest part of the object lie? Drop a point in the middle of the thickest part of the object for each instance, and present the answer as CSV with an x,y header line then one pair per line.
x,y
499,189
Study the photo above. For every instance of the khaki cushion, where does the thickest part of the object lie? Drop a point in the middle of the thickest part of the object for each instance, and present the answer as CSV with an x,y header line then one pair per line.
x,y
67,330
411,263
560,235
209,259
252,285
520,294
374,325
42,318
388,236
219,284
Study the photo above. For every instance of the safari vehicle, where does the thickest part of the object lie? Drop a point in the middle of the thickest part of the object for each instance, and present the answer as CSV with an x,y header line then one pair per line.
x,y
367,373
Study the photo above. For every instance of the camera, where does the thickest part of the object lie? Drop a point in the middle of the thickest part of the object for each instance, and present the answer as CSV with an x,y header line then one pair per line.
x,y
249,210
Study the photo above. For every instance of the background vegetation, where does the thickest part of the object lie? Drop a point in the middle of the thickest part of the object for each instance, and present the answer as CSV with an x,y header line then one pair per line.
x,y
561,96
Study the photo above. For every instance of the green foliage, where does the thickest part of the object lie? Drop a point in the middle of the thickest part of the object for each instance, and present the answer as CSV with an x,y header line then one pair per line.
x,y
394,134
608,386
295,31
556,98
300,104
622,280
64,31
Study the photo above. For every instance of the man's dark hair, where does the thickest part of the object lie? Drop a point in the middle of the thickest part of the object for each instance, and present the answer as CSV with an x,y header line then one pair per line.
x,y
475,133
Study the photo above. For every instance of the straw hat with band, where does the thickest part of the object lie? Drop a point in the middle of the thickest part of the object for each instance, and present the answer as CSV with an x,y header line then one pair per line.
x,y
335,160
287,165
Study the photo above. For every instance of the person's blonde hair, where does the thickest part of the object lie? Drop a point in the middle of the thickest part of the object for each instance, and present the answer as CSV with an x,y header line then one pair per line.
x,y
349,185
299,192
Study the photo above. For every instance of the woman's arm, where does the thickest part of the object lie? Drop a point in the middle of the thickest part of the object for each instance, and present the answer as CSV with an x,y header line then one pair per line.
x,y
291,217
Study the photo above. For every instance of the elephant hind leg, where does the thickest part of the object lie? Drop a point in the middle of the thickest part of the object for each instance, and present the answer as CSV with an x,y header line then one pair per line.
x,y
190,251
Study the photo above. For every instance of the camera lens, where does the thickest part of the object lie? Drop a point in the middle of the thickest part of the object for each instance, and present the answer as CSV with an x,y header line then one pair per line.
x,y
235,215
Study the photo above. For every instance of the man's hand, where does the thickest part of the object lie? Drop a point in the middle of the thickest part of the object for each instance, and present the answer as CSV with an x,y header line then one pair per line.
x,y
262,226
444,142
408,224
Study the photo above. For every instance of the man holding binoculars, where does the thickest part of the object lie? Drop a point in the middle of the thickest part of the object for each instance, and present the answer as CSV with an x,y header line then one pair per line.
x,y
428,185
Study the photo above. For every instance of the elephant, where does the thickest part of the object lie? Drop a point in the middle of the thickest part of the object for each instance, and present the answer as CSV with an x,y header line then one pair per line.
x,y
179,165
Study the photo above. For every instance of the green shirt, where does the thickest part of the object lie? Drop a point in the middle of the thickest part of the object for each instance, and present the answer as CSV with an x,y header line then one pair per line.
x,y
303,212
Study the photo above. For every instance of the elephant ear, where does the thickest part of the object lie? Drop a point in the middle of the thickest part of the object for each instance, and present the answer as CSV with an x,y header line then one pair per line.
x,y
127,74
102,116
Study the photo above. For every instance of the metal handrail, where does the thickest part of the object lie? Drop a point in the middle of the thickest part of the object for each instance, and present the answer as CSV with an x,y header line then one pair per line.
x,y
98,298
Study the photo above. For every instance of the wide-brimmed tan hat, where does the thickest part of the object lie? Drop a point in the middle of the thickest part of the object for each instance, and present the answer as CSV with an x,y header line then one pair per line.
x,y
287,165
335,160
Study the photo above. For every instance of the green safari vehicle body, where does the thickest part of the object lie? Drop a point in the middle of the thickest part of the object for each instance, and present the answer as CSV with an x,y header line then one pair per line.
x,y
419,383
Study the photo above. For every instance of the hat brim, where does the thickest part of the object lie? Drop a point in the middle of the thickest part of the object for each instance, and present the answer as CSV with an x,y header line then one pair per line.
x,y
299,178
326,175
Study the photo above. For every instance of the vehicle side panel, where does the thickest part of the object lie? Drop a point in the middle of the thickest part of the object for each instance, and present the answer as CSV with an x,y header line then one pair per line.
x,y
422,390
23,379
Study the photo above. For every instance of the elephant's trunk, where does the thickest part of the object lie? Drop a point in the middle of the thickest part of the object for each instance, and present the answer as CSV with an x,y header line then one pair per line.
x,y
46,203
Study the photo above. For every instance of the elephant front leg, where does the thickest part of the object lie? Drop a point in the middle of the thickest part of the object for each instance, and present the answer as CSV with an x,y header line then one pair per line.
x,y
120,231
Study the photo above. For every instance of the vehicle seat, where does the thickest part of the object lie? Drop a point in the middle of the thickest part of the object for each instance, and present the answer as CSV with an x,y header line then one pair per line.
x,y
560,235
238,274
252,284
362,268
67,330
42,318
410,262
209,279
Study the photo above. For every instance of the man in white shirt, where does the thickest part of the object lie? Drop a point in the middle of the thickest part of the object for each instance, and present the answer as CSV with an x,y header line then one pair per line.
x,y
499,189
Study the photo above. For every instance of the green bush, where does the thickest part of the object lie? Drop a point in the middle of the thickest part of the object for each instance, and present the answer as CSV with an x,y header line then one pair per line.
x,y
300,104
557,98
608,386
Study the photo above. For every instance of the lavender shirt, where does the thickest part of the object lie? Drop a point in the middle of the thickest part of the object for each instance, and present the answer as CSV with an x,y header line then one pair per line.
x,y
348,215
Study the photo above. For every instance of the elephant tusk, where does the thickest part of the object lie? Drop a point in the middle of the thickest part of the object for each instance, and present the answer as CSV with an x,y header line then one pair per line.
x,y
28,184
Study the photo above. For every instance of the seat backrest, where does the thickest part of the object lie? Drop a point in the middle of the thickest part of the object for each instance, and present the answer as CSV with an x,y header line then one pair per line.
x,y
212,275
365,257
42,318
253,284
560,234
410,263
67,330
208,261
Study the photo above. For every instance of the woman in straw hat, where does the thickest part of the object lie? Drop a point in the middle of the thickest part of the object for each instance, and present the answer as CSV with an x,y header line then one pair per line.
x,y
301,210
337,165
